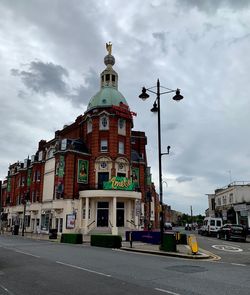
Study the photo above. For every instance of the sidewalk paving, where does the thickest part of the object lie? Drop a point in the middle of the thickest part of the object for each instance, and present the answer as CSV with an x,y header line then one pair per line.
x,y
183,251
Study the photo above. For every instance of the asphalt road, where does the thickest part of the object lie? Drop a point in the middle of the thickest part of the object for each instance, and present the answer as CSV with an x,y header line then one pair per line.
x,y
234,252
41,267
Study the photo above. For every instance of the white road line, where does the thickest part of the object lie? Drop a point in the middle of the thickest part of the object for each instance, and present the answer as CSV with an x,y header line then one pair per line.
x,y
25,253
85,269
166,291
238,264
6,290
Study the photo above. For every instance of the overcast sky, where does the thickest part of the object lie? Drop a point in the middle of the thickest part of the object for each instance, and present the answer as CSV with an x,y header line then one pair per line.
x,y
51,56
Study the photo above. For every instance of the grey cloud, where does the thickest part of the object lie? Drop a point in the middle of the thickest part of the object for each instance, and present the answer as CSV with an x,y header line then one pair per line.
x,y
184,179
47,78
44,77
82,94
162,38
213,6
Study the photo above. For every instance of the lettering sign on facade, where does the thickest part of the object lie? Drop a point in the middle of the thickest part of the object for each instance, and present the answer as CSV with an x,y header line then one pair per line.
x,y
119,183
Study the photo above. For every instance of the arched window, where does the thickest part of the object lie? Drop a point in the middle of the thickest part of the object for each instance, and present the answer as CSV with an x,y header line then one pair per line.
x,y
104,123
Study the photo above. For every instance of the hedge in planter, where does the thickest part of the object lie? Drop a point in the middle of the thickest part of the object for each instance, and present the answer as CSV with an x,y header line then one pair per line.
x,y
71,238
107,241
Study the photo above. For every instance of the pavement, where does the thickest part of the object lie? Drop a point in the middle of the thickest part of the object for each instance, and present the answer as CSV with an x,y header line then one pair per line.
x,y
182,251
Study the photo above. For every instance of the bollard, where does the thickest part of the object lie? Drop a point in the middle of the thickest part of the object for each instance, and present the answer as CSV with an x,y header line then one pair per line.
x,y
178,237
130,239
193,244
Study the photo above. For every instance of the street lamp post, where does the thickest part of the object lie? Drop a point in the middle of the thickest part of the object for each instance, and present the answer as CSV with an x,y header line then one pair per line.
x,y
157,109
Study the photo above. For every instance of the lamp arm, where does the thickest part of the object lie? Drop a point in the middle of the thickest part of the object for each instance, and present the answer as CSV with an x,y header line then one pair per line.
x,y
170,91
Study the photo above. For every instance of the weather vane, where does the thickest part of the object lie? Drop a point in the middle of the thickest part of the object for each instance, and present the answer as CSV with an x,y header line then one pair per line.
x,y
109,47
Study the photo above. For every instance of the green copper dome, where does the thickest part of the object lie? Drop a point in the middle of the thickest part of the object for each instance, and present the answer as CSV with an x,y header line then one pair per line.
x,y
107,96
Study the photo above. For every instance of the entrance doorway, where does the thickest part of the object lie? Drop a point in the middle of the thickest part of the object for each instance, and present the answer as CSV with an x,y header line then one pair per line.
x,y
102,214
120,214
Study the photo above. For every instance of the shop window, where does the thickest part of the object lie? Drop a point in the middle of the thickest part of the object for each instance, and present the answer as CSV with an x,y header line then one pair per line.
x,y
45,221
27,221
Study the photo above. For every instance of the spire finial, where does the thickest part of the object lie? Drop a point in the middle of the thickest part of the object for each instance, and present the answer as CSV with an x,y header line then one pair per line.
x,y
109,47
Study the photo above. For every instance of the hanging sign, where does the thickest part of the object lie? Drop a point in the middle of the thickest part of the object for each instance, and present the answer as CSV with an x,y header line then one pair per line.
x,y
29,177
83,171
119,183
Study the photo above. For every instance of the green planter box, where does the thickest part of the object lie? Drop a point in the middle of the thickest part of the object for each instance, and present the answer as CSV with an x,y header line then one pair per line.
x,y
169,242
71,238
107,241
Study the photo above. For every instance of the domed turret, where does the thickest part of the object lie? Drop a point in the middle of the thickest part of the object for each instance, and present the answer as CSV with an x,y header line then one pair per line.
x,y
108,94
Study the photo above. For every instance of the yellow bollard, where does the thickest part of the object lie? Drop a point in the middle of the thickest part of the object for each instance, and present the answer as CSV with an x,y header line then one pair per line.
x,y
178,237
193,244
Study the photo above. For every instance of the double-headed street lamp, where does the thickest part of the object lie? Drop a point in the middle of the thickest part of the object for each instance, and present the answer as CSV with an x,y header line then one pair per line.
x,y
157,109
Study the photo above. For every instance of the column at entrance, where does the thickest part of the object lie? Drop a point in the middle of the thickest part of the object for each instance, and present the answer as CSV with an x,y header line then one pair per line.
x,y
86,216
80,214
114,228
136,217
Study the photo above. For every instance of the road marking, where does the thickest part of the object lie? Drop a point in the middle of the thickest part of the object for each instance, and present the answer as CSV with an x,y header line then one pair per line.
x,y
227,248
166,291
85,269
25,253
238,264
6,290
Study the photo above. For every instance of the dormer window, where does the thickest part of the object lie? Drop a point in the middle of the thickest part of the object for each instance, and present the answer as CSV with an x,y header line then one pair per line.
x,y
104,123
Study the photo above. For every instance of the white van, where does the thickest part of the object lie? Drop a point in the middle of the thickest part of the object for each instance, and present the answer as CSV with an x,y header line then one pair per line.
x,y
210,226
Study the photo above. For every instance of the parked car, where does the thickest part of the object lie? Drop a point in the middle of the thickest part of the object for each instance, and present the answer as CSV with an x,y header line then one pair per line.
x,y
188,226
168,226
210,226
232,231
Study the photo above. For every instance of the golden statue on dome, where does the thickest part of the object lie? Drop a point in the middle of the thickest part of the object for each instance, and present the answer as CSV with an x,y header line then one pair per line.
x,y
109,47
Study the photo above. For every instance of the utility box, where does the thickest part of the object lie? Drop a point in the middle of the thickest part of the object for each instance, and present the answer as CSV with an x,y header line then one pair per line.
x,y
169,242
53,233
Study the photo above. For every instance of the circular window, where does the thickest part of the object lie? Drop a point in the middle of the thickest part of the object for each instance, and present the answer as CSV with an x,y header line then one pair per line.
x,y
103,165
121,166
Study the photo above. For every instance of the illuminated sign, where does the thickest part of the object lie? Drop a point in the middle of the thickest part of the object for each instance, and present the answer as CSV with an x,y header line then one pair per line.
x,y
119,183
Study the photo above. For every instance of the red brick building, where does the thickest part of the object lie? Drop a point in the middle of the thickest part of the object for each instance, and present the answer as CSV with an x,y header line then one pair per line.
x,y
92,176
